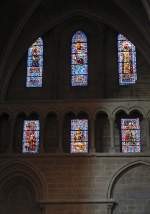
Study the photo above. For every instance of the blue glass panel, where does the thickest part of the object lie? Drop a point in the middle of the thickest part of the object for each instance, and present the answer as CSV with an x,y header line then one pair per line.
x,y
121,37
79,36
79,80
34,81
38,42
79,136
78,69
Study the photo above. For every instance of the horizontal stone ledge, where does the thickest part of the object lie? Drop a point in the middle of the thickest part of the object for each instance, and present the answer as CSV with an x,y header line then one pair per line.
x,y
97,155
67,101
103,201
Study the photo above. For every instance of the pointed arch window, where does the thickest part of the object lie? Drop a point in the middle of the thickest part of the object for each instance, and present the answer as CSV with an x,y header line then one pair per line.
x,y
79,60
79,136
35,64
126,61
130,135
31,132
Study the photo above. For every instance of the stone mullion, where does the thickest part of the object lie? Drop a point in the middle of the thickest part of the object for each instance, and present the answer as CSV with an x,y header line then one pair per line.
x,y
12,121
92,134
42,126
60,133
110,208
147,134
112,134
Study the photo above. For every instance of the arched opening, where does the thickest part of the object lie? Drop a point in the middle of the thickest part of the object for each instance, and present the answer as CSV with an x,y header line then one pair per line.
x,y
27,133
17,142
76,133
129,132
4,132
102,132
117,129
18,196
137,114
66,142
131,189
51,133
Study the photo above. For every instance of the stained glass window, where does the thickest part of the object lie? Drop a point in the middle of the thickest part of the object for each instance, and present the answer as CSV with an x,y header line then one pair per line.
x,y
35,64
126,61
79,59
31,131
130,135
79,136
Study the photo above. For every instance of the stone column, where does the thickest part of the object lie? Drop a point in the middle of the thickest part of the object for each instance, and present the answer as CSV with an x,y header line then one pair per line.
x,y
60,132
92,134
12,128
110,208
42,208
112,134
42,126
146,133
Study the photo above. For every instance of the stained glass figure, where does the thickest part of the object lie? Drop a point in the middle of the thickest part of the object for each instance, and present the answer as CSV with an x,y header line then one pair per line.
x,y
79,136
79,59
35,64
31,133
130,135
126,61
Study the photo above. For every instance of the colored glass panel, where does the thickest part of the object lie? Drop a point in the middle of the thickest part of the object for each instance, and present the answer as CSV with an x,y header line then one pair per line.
x,y
31,133
130,135
79,136
35,64
126,61
79,60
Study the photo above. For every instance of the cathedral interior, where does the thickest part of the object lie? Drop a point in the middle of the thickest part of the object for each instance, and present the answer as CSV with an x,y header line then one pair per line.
x,y
75,107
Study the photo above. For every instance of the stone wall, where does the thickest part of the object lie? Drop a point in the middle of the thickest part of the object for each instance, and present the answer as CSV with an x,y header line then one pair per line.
x,y
103,78
82,183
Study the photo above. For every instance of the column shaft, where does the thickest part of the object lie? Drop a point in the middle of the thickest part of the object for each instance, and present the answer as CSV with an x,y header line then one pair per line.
x,y
112,136
92,135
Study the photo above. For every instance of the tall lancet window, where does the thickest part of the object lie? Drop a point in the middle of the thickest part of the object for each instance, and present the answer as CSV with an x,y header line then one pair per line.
x,y
35,64
130,135
79,60
126,61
